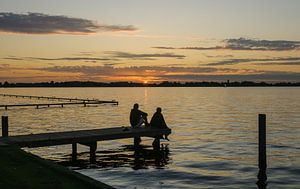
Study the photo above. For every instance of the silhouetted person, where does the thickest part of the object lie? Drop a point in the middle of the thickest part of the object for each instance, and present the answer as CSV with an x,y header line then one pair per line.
x,y
158,121
137,117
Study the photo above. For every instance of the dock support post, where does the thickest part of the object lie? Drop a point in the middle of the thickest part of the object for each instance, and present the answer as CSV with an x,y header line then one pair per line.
x,y
262,155
74,151
136,142
4,126
93,148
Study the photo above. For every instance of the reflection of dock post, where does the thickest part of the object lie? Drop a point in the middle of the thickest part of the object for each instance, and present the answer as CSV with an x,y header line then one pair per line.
x,y
93,148
136,142
262,157
4,126
74,151
156,143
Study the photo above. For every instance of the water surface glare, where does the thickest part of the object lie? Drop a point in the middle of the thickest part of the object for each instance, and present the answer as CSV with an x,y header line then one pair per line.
x,y
213,141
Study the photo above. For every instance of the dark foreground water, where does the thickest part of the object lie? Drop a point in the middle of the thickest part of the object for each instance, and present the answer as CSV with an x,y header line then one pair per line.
x,y
213,144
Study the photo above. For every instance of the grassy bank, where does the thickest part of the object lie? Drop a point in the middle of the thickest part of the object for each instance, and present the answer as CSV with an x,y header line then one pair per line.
x,y
19,169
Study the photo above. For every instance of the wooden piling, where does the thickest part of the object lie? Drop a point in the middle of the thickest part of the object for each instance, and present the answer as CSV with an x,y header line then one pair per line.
x,y
74,151
156,143
262,155
136,142
93,148
4,126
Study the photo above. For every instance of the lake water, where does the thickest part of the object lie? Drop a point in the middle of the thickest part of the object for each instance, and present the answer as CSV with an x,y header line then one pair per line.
x,y
213,142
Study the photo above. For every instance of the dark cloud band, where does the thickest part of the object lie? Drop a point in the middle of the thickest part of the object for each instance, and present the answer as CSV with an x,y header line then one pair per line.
x,y
38,23
177,73
243,44
144,56
266,61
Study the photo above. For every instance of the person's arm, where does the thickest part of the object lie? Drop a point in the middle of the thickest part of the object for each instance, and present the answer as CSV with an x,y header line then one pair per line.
x,y
144,114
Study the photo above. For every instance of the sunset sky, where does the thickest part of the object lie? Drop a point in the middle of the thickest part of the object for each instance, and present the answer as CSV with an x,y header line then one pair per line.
x,y
149,41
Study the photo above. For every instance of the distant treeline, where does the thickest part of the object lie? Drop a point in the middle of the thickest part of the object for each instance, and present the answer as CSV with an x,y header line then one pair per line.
x,y
162,84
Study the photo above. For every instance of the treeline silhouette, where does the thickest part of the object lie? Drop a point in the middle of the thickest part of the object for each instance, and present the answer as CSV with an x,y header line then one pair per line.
x,y
162,84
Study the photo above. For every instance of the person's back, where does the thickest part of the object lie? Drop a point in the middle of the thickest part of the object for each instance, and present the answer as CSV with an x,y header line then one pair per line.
x,y
158,121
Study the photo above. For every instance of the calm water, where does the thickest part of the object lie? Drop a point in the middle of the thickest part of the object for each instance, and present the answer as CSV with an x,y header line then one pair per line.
x,y
213,144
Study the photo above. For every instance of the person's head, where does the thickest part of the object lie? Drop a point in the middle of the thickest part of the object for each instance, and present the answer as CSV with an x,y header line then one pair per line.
x,y
136,106
158,109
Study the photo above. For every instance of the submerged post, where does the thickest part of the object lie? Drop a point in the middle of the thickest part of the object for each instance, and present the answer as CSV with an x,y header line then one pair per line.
x,y
136,142
74,151
262,155
93,148
4,126
156,143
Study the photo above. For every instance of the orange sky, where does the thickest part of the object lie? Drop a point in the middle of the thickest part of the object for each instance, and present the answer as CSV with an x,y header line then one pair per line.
x,y
149,41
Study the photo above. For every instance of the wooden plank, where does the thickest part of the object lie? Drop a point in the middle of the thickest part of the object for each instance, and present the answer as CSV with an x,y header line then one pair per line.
x,y
48,97
82,136
58,98
38,105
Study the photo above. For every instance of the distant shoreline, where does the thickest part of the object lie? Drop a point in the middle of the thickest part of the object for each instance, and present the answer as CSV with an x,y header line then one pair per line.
x,y
162,84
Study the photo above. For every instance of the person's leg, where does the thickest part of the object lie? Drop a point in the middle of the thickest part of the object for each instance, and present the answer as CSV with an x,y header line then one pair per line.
x,y
166,137
146,121
139,124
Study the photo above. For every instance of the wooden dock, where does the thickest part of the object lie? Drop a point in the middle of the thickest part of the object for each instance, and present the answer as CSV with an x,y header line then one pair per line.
x,y
62,104
71,101
84,137
56,98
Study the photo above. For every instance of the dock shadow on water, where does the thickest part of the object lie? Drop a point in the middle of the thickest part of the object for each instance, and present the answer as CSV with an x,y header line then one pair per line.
x,y
126,156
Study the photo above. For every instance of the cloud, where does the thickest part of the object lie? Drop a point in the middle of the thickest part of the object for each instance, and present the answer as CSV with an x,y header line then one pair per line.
x,y
266,76
175,73
246,44
38,23
269,45
93,59
130,71
219,56
144,56
4,66
112,56
267,61
280,63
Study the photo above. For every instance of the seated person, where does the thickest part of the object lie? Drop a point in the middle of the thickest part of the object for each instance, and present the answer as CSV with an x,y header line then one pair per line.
x,y
138,117
158,121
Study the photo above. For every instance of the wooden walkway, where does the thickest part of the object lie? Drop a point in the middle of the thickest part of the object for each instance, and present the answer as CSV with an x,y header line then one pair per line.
x,y
85,137
56,98
62,104
71,101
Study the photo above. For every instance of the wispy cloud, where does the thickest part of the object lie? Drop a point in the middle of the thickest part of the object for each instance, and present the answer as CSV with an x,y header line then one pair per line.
x,y
174,73
144,56
265,76
109,56
219,56
267,61
95,59
243,44
38,23
264,45
129,71
280,63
